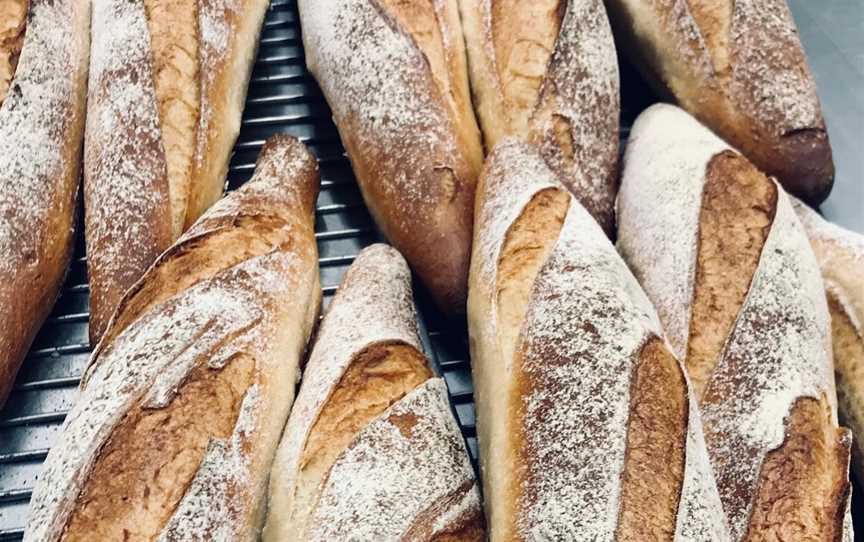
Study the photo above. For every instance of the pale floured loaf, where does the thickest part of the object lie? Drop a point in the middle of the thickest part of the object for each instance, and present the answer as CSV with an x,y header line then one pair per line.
x,y
395,76
721,253
840,254
586,425
546,71
167,85
737,66
371,450
183,404
41,131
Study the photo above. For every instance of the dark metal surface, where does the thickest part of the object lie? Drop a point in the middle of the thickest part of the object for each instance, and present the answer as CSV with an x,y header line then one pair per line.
x,y
282,98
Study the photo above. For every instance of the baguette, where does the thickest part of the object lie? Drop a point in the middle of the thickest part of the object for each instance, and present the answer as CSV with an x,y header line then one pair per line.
x,y
167,85
41,132
547,73
719,250
586,426
185,398
738,67
395,76
840,254
371,450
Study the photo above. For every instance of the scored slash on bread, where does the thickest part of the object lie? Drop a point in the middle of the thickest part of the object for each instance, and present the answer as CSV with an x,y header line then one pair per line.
x,y
41,132
546,71
737,66
371,450
167,85
395,78
185,398
720,252
840,253
586,425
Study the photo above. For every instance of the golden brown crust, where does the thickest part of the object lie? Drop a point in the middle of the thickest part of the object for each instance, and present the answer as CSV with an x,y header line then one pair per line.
x,y
412,140
656,434
227,55
147,466
738,205
261,221
13,22
804,483
546,72
377,378
849,373
41,132
740,69
173,26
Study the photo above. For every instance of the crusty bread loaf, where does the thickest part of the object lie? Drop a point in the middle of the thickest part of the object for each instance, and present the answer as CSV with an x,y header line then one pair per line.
x,y
586,426
738,66
167,85
182,406
395,76
840,254
41,130
719,250
371,450
546,71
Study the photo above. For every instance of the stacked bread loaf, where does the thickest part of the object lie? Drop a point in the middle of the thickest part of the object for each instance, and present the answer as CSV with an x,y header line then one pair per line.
x,y
395,76
840,253
185,399
43,81
546,72
371,451
738,66
586,424
719,250
168,81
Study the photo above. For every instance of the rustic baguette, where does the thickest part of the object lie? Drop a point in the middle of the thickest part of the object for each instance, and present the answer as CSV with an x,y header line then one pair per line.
x,y
738,67
546,72
719,250
181,409
586,426
395,76
167,85
371,450
41,131
840,254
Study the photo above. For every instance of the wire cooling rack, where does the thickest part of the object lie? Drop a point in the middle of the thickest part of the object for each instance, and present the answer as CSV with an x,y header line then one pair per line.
x,y
283,97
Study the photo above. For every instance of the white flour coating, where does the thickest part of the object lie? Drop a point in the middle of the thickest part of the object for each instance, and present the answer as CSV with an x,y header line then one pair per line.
x,y
36,120
373,305
658,210
582,86
778,351
769,67
221,487
587,321
700,510
378,82
818,228
468,505
126,182
403,463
